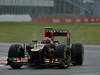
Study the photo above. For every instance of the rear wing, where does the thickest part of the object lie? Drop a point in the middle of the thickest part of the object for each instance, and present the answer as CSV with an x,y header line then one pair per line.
x,y
60,32
50,32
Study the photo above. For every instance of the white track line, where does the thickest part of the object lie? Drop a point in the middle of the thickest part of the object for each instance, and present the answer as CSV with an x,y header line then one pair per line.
x,y
2,65
3,60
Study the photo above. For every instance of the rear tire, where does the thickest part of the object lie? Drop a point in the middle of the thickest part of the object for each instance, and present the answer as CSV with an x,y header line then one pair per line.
x,y
15,51
59,53
77,53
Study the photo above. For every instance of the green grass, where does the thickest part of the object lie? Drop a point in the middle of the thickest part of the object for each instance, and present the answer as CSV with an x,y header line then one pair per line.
x,y
86,33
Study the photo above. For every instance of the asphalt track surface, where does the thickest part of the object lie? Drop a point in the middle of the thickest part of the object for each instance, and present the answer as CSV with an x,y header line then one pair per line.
x,y
91,64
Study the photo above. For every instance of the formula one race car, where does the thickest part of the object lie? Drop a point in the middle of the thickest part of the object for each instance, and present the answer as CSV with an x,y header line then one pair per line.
x,y
47,52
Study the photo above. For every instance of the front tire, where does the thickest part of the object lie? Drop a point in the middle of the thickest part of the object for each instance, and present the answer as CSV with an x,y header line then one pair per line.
x,y
15,51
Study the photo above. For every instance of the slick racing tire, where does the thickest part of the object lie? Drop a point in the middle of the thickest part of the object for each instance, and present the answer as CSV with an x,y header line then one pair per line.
x,y
77,53
15,51
59,52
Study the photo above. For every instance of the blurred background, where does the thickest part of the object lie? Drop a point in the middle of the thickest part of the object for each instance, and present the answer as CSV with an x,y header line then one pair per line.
x,y
51,8
31,16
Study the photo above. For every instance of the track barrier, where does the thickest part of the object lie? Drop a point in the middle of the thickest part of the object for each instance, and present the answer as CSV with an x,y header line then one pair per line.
x,y
68,20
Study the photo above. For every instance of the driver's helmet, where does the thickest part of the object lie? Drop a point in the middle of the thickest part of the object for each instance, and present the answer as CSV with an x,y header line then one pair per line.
x,y
46,40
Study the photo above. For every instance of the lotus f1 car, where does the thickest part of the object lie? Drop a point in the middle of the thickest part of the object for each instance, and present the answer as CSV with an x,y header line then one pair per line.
x,y
47,52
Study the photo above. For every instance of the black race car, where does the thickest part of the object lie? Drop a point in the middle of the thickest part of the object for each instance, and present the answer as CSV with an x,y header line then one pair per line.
x,y
47,52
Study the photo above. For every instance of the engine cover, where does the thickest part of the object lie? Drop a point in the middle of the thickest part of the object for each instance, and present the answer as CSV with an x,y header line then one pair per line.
x,y
37,47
